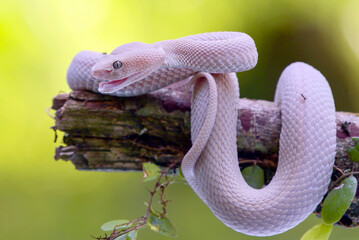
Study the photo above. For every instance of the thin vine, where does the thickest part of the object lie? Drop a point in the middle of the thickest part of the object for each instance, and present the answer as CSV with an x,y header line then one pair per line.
x,y
163,181
343,175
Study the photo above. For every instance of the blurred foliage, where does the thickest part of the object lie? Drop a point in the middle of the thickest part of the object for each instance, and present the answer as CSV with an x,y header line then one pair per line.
x,y
354,152
320,231
44,199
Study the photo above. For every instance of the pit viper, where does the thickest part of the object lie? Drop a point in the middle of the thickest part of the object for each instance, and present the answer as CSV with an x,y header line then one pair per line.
x,y
308,133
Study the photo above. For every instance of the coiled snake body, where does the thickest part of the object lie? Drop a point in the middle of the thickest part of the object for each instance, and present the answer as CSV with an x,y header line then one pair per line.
x,y
307,139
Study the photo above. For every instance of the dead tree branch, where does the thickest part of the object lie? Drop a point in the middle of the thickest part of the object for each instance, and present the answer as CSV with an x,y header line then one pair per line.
x,y
111,134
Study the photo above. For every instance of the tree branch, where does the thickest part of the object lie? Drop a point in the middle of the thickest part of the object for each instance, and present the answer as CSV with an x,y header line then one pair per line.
x,y
110,134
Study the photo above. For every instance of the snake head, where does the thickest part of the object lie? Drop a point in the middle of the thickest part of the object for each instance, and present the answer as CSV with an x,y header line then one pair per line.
x,y
127,65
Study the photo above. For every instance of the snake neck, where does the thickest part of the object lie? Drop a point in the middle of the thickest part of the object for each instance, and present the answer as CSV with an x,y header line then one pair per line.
x,y
213,53
174,56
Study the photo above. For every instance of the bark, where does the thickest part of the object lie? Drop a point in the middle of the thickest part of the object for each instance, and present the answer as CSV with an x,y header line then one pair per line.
x,y
116,134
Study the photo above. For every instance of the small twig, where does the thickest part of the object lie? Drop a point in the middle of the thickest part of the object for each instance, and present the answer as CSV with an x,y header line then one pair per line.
x,y
100,238
140,222
341,177
339,170
55,131
49,113
162,198
116,233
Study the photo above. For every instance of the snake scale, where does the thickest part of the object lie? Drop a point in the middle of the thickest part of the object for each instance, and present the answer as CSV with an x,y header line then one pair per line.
x,y
307,138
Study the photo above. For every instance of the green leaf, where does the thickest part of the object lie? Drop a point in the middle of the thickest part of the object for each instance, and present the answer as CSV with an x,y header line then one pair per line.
x,y
254,176
338,200
110,226
161,225
130,236
151,171
318,232
354,152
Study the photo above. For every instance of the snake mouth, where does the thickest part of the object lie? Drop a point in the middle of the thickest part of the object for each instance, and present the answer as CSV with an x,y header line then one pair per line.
x,y
116,85
112,86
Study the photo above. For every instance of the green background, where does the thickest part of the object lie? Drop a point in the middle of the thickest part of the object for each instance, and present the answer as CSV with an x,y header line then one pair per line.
x,y
44,199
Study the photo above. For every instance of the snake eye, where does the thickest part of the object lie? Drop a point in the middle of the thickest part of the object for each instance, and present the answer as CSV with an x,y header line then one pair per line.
x,y
117,65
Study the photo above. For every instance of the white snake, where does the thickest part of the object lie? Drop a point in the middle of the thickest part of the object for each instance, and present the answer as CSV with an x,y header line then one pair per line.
x,y
307,139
